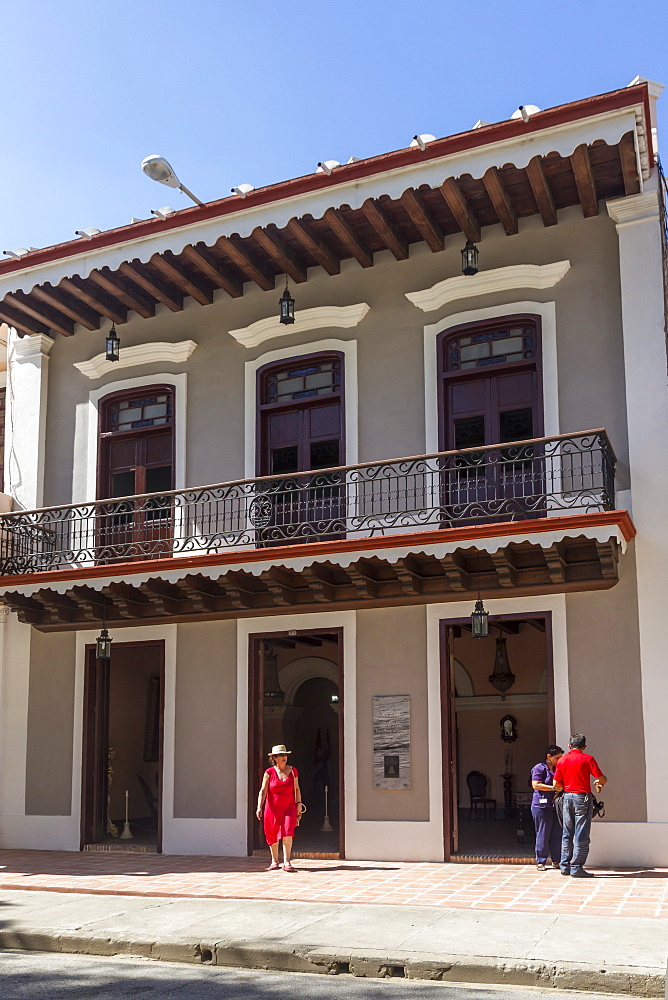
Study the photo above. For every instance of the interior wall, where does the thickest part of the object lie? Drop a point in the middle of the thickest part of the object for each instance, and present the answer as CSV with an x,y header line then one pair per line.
x,y
392,659
205,738
606,688
49,750
480,747
130,673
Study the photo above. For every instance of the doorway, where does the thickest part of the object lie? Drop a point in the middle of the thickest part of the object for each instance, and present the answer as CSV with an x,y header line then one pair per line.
x,y
491,740
122,748
296,685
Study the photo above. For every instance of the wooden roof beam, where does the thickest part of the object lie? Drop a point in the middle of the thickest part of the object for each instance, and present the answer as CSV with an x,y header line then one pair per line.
x,y
627,154
67,305
385,229
422,219
163,292
541,191
275,246
43,314
500,200
199,256
111,283
584,179
460,208
23,323
115,311
169,265
324,256
238,254
349,239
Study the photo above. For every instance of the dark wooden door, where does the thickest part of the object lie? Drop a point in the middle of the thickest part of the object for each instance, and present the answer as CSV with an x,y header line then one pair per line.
x,y
302,435
95,749
488,410
134,462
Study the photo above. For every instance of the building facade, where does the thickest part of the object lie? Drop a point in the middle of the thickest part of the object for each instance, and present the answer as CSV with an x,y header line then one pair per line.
x,y
285,527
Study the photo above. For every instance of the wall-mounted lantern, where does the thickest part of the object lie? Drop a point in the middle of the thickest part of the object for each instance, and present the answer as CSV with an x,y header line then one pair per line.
x,y
508,729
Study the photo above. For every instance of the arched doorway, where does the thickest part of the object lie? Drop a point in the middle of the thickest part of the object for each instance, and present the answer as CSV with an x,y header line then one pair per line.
x,y
297,700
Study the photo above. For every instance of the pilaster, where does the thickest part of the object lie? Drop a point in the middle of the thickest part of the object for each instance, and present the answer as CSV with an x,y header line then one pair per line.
x,y
25,442
637,221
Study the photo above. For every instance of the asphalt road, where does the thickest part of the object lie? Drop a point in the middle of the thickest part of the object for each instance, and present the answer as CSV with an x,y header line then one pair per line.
x,y
36,976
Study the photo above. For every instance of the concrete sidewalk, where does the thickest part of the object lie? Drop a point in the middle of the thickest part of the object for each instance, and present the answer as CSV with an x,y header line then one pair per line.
x,y
592,953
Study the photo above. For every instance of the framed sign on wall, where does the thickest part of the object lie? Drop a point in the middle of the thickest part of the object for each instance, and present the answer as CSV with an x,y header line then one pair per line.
x,y
392,741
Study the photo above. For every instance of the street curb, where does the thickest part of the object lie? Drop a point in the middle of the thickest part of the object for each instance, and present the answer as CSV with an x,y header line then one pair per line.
x,y
636,981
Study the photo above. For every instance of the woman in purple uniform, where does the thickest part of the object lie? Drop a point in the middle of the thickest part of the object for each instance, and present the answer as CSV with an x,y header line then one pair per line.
x,y
546,820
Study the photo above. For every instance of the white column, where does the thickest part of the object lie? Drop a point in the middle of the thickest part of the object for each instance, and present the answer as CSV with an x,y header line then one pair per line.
x,y
637,220
25,432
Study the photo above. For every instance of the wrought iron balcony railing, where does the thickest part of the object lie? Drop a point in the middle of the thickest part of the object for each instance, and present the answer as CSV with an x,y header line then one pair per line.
x,y
511,481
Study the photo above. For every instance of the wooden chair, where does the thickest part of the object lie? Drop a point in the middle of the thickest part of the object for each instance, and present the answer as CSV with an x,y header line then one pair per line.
x,y
477,783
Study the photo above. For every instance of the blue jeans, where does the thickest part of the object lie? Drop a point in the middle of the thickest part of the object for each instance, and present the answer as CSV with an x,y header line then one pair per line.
x,y
548,834
577,827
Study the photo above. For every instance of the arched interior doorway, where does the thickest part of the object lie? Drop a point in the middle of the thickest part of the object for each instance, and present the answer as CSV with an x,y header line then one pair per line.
x,y
296,680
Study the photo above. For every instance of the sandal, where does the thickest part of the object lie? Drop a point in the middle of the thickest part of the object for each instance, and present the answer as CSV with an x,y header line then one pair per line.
x,y
273,867
287,867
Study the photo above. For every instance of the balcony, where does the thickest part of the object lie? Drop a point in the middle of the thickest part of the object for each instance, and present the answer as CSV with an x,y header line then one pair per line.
x,y
516,481
404,530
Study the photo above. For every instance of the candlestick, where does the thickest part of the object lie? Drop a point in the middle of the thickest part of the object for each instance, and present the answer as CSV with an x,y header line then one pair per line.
x,y
326,826
127,832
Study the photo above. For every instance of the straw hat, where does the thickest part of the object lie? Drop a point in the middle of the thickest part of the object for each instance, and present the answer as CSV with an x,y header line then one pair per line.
x,y
278,749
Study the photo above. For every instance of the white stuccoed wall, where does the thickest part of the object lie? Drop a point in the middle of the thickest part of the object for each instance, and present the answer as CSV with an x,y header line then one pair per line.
x,y
637,221
25,432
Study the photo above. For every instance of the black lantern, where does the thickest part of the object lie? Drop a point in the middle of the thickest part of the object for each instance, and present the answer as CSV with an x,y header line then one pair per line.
x,y
502,678
287,304
273,692
480,621
103,647
113,344
470,258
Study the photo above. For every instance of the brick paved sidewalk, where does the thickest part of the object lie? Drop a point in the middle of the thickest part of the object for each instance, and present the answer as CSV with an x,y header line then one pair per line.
x,y
637,892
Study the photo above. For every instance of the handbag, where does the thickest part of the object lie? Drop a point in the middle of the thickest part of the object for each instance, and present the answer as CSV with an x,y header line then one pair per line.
x,y
598,808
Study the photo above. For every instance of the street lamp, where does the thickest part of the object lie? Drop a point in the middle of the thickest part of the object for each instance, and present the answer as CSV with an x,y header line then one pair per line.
x,y
158,169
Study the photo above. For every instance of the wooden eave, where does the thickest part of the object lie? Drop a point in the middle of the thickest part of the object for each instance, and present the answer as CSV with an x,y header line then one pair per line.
x,y
460,205
206,588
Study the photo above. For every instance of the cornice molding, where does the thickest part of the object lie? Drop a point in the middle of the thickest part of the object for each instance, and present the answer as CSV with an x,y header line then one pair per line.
x,y
305,320
500,279
634,208
28,348
139,354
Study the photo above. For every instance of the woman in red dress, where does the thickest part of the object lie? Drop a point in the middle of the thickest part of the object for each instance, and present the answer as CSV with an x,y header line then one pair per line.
x,y
281,797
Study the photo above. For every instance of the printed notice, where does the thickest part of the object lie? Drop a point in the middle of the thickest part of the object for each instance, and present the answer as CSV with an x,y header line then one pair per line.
x,y
392,741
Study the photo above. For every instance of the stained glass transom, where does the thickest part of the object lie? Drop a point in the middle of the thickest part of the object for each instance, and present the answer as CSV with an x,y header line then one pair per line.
x,y
490,347
291,384
144,411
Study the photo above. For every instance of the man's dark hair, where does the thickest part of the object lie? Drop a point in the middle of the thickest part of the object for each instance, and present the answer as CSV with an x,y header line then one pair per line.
x,y
578,741
552,749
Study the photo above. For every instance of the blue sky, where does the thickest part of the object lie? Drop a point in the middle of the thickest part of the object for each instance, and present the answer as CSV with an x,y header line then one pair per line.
x,y
260,91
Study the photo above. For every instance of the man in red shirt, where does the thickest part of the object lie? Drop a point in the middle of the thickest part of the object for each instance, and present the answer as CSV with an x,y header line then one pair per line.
x,y
573,775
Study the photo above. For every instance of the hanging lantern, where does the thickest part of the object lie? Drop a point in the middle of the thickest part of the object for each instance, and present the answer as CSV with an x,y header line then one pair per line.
x,y
480,621
103,645
113,344
287,304
502,678
273,692
470,258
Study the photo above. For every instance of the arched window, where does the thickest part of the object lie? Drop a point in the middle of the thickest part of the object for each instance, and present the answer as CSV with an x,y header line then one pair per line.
x,y
136,444
490,381
301,415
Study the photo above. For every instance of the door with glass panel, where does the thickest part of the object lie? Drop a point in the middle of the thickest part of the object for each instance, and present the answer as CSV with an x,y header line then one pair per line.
x,y
301,431
136,456
491,395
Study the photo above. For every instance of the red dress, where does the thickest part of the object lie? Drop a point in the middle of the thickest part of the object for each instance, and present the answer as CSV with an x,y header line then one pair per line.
x,y
280,809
